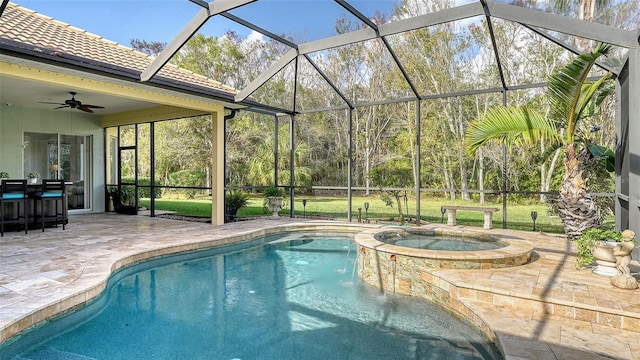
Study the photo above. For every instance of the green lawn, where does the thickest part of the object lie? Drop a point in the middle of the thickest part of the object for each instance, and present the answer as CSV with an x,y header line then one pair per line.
x,y
518,215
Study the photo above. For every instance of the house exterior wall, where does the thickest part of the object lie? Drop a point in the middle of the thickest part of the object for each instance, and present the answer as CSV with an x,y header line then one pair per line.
x,y
16,120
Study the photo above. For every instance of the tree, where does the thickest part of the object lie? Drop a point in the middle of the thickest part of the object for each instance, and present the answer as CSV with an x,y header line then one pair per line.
x,y
261,163
395,173
151,48
573,100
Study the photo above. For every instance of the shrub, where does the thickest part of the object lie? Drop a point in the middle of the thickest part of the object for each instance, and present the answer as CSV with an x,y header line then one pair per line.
x,y
273,191
589,239
145,192
188,178
234,201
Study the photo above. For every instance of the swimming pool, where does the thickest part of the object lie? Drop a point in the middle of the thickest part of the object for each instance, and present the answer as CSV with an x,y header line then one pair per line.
x,y
284,296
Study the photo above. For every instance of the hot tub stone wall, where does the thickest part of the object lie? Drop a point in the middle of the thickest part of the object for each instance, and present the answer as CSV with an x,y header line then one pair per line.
x,y
412,272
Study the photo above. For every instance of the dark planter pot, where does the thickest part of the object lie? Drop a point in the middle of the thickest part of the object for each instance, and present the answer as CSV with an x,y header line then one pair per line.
x,y
230,214
127,209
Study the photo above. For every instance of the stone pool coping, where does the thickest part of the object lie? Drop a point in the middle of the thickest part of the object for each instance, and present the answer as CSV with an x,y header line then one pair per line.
x,y
541,310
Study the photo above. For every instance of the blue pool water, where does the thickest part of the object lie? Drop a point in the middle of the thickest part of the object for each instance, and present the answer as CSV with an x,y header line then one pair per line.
x,y
287,296
445,243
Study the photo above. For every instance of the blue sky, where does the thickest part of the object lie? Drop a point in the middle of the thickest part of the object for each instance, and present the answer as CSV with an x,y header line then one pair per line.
x,y
162,20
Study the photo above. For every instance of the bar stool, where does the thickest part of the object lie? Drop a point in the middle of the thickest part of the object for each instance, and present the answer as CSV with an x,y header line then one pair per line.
x,y
52,190
13,191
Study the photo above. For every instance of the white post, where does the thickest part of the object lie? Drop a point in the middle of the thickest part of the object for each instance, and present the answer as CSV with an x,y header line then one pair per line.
x,y
217,183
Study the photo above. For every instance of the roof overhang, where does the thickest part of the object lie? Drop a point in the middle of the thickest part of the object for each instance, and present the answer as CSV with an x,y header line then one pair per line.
x,y
30,75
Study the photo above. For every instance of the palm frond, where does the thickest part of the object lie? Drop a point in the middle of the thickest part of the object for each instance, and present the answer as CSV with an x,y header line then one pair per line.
x,y
509,125
550,150
565,88
593,94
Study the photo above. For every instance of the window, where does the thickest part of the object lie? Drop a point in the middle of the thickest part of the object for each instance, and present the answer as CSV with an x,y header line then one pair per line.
x,y
60,156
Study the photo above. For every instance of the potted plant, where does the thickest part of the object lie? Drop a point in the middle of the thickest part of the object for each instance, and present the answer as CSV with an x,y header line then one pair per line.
x,y
234,201
4,175
124,199
596,245
33,177
273,200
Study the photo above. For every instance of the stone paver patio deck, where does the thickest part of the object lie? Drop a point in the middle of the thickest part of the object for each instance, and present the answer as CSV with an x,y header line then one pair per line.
x,y
542,310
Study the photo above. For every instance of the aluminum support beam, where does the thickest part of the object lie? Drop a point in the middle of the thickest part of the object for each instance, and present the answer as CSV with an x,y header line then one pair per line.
x,y
259,29
350,167
494,45
275,151
418,162
266,75
439,17
464,93
295,85
292,168
375,27
326,78
563,24
622,148
292,144
3,6
271,111
634,146
385,102
213,8
313,111
202,3
457,13
505,180
406,76
357,14
338,40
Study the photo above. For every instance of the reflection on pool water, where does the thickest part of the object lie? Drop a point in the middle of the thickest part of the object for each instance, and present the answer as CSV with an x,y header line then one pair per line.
x,y
285,296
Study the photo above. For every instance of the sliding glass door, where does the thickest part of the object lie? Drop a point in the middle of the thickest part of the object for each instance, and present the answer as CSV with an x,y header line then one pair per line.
x,y
61,156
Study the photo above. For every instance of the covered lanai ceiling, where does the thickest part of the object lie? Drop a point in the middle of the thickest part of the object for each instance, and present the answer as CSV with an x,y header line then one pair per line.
x,y
307,30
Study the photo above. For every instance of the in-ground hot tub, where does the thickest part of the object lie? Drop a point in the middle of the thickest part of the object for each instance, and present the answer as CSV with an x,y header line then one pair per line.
x,y
430,240
432,273
440,247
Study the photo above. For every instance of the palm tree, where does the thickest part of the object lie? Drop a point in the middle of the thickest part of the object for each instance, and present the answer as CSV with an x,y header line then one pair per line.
x,y
261,163
572,98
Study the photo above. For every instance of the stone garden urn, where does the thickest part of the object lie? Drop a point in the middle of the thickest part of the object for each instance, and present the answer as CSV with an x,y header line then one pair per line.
x,y
605,260
274,204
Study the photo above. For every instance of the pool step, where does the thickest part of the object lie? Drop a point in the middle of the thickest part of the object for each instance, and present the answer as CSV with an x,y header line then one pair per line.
x,y
53,354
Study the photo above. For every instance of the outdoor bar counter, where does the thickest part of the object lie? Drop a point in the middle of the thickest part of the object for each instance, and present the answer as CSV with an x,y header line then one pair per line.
x,y
34,223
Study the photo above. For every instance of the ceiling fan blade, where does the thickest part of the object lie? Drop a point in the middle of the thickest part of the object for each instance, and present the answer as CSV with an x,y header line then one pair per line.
x,y
74,104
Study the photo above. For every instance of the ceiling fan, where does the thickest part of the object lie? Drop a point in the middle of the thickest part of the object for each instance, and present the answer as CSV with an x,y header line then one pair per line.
x,y
75,104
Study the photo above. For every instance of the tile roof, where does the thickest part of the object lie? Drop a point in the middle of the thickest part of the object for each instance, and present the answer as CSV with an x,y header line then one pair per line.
x,y
45,33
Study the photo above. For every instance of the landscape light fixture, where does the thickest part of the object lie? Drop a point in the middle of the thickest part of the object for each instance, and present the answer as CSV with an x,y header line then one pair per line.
x,y
406,204
304,205
534,216
366,212
442,211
